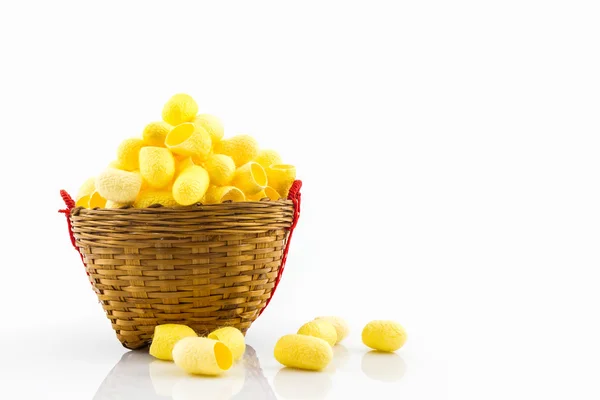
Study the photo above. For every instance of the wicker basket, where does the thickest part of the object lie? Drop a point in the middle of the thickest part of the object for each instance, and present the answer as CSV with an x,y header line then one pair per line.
x,y
204,266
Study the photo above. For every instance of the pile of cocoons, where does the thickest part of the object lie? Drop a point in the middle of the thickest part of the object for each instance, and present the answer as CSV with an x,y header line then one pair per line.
x,y
186,159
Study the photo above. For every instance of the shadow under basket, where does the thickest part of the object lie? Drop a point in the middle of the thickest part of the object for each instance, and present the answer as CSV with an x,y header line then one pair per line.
x,y
205,266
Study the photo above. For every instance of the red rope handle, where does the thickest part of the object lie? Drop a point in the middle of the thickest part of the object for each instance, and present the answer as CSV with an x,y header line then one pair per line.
x,y
295,196
70,203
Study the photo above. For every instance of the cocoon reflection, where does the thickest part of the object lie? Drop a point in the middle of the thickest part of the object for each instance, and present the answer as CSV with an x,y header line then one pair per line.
x,y
241,148
384,335
155,133
250,178
179,108
340,325
165,337
212,125
128,154
266,158
191,185
232,338
157,166
189,140
281,177
304,352
219,194
224,387
118,185
321,329
148,198
220,168
202,356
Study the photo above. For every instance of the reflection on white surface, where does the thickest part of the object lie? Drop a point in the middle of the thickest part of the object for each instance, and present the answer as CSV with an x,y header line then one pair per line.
x,y
340,356
383,367
140,376
295,384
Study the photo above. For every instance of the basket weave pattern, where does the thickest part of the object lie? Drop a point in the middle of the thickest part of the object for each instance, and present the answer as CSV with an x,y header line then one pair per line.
x,y
205,266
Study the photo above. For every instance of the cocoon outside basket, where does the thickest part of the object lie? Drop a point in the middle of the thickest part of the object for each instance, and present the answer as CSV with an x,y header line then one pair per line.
x,y
219,194
188,139
304,352
340,325
266,158
157,166
220,168
384,335
250,178
148,198
241,148
128,154
165,337
321,329
179,109
281,177
119,186
267,192
212,124
232,338
203,356
191,185
155,133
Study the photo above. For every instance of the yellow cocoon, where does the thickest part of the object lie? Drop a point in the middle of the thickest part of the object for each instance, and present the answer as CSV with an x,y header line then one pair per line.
x,y
212,124
87,188
266,158
191,185
266,192
232,338
96,201
384,335
157,166
165,337
250,178
113,204
220,168
83,202
281,177
321,329
147,198
119,186
219,194
202,356
241,148
179,109
340,325
304,352
181,163
189,140
155,133
128,154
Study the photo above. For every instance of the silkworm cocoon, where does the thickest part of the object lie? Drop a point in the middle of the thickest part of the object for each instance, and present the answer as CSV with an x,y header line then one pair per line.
x,y
241,148
232,338
320,328
154,133
165,337
250,178
147,198
266,158
179,109
114,204
304,352
181,163
203,356
267,192
189,140
87,188
119,186
220,168
341,326
191,185
157,166
219,194
96,201
384,335
128,153
212,124
281,177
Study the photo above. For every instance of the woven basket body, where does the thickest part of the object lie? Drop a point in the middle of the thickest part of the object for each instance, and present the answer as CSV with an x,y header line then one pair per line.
x,y
204,266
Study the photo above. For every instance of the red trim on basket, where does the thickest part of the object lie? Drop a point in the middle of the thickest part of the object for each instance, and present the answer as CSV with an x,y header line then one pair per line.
x,y
295,196
70,203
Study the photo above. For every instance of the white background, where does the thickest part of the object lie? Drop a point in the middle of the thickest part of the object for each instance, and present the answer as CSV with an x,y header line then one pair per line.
x,y
449,153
